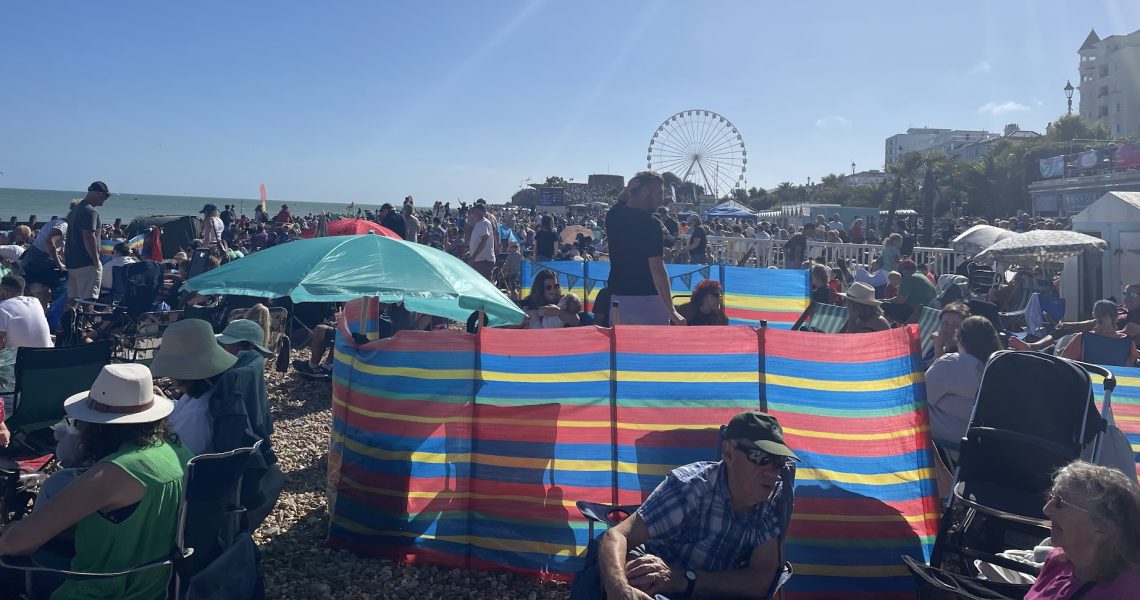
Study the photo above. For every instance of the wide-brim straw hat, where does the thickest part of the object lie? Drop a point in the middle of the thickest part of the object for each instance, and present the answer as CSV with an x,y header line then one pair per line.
x,y
861,293
122,394
189,352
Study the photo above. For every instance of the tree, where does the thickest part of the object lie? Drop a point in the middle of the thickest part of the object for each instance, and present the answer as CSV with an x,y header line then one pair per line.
x,y
905,171
1070,127
555,181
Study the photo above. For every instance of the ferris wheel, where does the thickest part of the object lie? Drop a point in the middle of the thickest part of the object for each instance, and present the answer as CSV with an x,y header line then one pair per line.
x,y
702,147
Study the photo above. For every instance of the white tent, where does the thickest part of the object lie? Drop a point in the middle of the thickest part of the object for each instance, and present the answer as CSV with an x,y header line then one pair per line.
x,y
1115,218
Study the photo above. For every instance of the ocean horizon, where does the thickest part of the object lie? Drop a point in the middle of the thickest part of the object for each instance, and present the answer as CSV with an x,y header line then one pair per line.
x,y
126,206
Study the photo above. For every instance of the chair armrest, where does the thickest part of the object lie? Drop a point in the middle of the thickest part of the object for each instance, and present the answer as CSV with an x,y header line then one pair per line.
x,y
603,513
94,303
26,563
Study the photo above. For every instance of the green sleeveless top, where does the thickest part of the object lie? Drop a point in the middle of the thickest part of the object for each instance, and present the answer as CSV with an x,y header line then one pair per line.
x,y
147,534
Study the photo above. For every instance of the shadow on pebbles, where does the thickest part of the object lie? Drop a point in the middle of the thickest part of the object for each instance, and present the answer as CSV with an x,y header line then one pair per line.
x,y
295,562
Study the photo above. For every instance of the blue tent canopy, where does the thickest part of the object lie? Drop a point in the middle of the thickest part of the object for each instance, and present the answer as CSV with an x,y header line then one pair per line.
x,y
731,210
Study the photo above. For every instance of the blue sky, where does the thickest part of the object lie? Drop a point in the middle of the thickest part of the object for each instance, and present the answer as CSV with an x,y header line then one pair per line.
x,y
371,101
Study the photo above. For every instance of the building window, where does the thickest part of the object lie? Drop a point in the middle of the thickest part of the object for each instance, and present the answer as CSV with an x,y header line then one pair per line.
x,y
1102,111
1117,107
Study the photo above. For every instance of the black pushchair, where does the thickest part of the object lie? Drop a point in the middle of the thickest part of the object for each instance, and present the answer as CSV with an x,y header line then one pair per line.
x,y
1034,414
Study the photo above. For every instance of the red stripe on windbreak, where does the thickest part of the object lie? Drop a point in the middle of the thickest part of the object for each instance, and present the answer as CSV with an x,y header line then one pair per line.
x,y
569,341
841,348
888,529
827,424
857,506
639,339
403,484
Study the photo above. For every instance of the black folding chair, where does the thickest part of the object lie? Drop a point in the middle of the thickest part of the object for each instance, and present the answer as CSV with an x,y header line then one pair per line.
x,y
212,555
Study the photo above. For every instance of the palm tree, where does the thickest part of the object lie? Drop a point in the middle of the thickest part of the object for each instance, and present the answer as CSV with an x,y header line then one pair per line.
x,y
905,172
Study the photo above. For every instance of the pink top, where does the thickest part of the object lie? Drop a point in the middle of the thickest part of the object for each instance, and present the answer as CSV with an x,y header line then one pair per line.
x,y
1057,582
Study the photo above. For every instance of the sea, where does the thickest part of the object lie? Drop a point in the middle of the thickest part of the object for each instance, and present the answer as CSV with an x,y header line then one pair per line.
x,y
45,204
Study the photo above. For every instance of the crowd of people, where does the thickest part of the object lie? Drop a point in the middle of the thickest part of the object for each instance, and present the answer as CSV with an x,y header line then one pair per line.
x,y
128,441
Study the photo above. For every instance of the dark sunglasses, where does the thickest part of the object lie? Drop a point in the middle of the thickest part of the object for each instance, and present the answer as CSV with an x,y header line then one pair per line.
x,y
1132,294
1064,504
761,458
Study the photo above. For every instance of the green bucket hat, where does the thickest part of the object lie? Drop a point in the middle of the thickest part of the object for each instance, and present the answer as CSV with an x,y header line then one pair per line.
x,y
762,430
189,352
244,330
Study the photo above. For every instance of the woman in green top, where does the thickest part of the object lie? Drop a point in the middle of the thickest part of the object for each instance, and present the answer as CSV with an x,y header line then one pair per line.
x,y
124,509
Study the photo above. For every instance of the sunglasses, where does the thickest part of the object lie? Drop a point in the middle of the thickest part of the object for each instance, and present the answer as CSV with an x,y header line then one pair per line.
x,y
1064,504
761,458
1132,294
556,286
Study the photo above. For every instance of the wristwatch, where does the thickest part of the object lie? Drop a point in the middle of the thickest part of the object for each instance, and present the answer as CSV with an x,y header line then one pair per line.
x,y
691,577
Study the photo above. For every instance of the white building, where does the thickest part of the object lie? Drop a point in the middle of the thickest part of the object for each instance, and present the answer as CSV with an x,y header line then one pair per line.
x,y
863,178
1110,82
925,140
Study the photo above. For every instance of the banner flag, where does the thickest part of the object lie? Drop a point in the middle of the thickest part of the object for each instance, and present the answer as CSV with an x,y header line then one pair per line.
x,y
1053,166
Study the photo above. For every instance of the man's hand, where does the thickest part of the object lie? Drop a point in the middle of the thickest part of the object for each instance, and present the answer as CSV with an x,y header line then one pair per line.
x,y
5,435
676,319
652,575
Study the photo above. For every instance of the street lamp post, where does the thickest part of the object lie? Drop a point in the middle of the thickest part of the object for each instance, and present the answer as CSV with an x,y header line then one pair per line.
x,y
852,167
1069,95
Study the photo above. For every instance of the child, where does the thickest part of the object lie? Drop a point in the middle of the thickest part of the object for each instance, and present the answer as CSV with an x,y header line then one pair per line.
x,y
894,280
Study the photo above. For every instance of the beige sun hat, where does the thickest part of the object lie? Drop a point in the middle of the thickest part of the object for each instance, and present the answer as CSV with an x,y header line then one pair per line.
x,y
189,351
122,394
861,293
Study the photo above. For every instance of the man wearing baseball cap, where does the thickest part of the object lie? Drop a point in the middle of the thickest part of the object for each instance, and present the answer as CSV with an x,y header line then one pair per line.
x,y
711,529
915,291
81,245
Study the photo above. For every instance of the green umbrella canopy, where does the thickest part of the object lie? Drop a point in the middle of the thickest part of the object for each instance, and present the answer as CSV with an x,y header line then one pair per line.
x,y
339,269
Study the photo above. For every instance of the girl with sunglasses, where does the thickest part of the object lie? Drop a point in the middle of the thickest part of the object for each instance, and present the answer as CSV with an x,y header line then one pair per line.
x,y
543,304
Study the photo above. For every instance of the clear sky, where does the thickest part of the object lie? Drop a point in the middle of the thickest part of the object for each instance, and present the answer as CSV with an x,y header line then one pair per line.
x,y
371,101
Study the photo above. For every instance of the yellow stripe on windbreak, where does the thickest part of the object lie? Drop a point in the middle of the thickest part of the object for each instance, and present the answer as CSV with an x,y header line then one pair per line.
x,y
512,462
875,479
414,372
863,437
478,541
826,385
852,571
452,495
864,518
520,422
773,303
1128,381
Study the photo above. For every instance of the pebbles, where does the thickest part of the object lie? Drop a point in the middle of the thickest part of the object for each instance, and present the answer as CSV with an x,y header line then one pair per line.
x,y
295,562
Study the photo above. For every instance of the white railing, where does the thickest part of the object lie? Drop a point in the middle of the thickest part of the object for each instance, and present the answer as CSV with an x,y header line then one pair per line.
x,y
770,253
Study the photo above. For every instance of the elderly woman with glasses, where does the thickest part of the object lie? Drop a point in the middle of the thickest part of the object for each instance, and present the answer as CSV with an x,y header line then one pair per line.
x,y
544,306
706,307
1095,513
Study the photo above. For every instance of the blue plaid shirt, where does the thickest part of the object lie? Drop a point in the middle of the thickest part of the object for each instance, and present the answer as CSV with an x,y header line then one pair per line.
x,y
691,522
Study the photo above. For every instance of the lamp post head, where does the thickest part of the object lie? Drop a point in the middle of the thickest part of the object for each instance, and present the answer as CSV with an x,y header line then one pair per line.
x,y
1069,90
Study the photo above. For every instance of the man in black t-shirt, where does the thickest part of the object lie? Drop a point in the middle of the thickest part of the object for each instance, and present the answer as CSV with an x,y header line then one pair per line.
x,y
638,281
81,245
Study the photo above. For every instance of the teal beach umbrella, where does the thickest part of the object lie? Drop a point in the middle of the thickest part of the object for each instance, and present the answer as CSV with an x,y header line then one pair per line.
x,y
339,269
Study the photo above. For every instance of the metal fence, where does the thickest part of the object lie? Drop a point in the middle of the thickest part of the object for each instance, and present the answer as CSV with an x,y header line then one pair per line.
x,y
770,253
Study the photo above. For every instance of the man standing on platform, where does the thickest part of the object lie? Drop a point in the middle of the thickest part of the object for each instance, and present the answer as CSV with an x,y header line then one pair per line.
x,y
638,280
81,254
481,245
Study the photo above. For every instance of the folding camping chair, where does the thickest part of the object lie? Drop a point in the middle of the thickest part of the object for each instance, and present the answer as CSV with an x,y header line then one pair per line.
x,y
823,318
1033,415
928,319
213,556
278,319
45,377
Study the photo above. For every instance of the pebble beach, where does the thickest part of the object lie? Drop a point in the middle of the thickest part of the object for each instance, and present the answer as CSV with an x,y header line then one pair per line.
x,y
295,562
